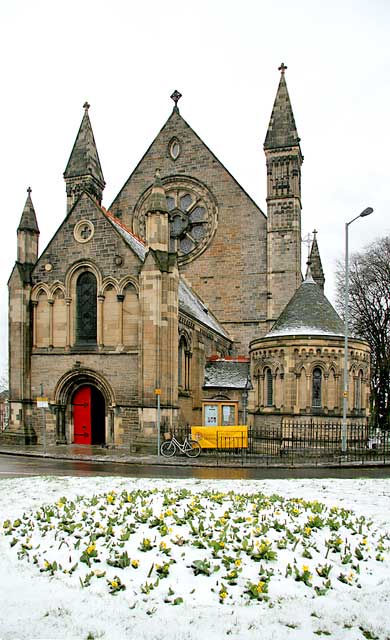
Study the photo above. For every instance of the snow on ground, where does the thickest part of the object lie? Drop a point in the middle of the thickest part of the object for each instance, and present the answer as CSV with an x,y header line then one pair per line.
x,y
198,559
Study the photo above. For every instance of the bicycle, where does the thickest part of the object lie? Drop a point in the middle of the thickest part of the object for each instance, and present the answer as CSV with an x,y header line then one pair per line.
x,y
191,448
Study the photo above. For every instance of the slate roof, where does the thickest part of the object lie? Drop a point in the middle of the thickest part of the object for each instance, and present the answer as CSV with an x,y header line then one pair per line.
x,y
84,158
28,221
228,374
282,131
316,264
135,243
309,312
190,304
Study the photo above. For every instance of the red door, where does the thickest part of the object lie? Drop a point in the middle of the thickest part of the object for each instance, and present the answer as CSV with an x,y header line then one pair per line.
x,y
82,416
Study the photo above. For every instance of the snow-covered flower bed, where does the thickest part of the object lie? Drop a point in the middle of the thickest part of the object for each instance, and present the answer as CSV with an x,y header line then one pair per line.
x,y
224,548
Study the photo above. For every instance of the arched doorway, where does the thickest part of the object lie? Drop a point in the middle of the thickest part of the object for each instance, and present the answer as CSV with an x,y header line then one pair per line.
x,y
89,412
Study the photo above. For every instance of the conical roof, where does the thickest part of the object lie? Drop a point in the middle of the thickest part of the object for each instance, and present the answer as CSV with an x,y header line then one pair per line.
x,y
309,312
28,221
84,159
282,131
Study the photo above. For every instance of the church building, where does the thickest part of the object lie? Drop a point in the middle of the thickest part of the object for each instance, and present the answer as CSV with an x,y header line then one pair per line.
x,y
183,291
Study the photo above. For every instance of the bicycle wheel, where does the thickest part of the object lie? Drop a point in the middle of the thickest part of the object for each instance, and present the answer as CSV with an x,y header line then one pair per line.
x,y
168,449
195,449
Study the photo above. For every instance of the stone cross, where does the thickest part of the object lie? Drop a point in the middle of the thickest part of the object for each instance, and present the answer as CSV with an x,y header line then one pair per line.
x,y
176,95
282,68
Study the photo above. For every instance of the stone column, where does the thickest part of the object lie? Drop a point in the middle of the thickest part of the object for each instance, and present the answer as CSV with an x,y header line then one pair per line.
x,y
100,321
120,298
68,322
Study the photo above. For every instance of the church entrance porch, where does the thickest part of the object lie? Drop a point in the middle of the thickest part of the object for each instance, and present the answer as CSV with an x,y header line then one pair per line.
x,y
88,407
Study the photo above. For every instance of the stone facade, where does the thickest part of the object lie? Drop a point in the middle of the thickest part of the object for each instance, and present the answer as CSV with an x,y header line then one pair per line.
x,y
123,317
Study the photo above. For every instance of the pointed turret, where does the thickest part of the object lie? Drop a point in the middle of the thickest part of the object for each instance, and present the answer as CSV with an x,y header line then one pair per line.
x,y
284,160
28,233
316,264
282,130
157,220
83,171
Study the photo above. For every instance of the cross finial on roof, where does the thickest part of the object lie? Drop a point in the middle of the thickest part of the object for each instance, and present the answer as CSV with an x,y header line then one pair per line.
x,y
282,68
307,241
314,233
29,190
86,106
176,95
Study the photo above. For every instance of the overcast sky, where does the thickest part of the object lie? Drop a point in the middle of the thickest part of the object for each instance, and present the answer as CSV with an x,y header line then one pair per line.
x,y
126,57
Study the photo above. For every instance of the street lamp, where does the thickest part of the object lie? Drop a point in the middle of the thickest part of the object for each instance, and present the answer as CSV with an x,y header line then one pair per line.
x,y
363,214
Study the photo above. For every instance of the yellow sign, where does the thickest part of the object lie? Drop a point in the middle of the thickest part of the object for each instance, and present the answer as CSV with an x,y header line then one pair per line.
x,y
157,392
221,437
42,403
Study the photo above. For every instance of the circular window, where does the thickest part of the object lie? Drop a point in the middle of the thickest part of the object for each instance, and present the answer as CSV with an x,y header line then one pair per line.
x,y
193,216
83,231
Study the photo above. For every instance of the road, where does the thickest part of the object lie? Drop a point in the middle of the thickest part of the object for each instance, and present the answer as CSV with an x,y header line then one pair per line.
x,y
22,466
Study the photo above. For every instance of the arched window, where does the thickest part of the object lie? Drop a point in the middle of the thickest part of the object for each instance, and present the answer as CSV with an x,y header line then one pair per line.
x,y
316,388
268,390
86,294
358,390
184,361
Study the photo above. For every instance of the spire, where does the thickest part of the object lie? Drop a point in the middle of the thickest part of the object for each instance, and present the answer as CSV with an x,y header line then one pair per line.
x,y
28,221
83,171
157,219
158,200
282,131
315,262
28,233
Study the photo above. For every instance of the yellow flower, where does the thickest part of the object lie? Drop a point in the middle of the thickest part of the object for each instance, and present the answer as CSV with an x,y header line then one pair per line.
x,y
114,584
135,563
46,564
222,595
110,498
364,541
222,544
305,568
260,587
169,512
237,562
307,531
91,549
163,545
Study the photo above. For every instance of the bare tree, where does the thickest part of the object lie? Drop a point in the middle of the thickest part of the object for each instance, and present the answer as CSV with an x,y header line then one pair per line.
x,y
369,313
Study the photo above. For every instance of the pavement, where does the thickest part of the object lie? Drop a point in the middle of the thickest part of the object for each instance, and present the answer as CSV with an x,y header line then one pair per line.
x,y
112,454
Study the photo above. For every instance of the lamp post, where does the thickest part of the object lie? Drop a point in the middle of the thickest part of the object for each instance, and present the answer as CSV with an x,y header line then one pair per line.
x,y
363,214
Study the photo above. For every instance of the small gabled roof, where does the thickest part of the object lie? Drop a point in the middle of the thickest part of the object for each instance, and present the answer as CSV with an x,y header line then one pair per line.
x,y
226,373
282,130
191,304
28,221
84,158
309,312
133,241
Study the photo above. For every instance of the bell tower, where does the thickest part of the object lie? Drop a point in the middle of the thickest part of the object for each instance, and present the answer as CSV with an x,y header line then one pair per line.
x,y
284,160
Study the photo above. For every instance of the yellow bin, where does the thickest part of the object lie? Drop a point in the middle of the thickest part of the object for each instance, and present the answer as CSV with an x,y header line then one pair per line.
x,y
233,437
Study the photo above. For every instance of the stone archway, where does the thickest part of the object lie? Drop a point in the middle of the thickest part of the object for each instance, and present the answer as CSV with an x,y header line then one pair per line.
x,y
84,405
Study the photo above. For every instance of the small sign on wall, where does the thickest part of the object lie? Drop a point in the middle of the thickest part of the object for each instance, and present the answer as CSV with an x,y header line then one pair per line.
x,y
42,403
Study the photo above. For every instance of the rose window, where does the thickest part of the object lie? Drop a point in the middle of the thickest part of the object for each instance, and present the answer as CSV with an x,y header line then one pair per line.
x,y
192,217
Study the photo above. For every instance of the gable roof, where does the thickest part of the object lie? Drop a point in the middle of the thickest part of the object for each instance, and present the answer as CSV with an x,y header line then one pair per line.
x,y
226,373
180,121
